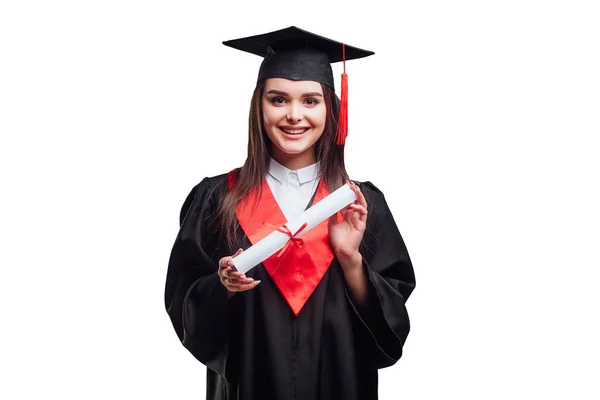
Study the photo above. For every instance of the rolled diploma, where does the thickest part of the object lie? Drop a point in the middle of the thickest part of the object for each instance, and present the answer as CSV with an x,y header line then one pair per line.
x,y
275,241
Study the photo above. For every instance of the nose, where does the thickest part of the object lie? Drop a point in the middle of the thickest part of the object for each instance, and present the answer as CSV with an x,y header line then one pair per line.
x,y
294,113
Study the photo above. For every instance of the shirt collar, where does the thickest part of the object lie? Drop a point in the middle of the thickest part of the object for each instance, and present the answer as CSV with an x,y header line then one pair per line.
x,y
305,174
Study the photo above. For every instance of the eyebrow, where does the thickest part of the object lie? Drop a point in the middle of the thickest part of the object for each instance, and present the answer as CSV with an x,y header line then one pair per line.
x,y
280,93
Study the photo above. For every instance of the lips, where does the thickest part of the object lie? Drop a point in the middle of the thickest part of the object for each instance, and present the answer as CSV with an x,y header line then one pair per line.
x,y
293,130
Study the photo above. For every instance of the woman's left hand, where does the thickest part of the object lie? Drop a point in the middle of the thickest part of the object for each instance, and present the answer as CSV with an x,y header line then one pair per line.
x,y
345,236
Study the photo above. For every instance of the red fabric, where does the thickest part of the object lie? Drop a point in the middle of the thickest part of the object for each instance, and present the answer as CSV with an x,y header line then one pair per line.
x,y
298,270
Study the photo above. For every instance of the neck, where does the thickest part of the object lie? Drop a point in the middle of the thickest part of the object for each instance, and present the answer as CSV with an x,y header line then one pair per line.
x,y
294,162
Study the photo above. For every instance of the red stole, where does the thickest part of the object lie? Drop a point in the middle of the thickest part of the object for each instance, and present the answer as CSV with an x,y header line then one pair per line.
x,y
298,271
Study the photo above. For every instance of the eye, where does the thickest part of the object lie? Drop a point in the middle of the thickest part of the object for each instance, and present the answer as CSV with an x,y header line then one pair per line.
x,y
311,101
277,100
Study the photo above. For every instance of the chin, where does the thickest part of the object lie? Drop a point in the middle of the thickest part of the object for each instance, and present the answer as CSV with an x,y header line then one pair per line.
x,y
293,146
293,150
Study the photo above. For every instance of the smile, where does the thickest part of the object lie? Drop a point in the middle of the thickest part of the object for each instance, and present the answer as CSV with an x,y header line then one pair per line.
x,y
293,131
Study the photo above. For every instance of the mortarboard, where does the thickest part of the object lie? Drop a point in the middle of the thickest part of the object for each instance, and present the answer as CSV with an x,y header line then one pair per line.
x,y
296,54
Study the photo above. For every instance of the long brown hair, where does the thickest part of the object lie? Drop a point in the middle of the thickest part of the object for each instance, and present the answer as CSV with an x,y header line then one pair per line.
x,y
252,173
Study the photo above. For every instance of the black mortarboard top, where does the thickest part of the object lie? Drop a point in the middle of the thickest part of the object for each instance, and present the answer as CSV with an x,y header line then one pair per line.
x,y
296,54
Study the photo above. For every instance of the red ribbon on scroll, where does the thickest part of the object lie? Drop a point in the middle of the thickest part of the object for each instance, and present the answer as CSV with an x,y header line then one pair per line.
x,y
298,242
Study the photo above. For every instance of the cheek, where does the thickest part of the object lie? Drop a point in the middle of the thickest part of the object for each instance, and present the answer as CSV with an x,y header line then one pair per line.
x,y
272,115
318,117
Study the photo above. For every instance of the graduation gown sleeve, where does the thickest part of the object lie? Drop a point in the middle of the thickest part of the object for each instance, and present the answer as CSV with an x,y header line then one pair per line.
x,y
383,325
195,299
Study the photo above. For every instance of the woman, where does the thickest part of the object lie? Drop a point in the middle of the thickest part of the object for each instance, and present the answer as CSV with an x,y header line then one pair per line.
x,y
316,320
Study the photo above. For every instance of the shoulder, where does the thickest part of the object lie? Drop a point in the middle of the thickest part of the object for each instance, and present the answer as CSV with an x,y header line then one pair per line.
x,y
216,182
203,194
209,184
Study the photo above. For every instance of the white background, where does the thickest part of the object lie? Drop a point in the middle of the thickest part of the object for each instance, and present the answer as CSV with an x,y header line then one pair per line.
x,y
477,119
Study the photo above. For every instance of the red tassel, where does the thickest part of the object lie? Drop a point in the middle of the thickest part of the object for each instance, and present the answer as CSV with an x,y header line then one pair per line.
x,y
342,131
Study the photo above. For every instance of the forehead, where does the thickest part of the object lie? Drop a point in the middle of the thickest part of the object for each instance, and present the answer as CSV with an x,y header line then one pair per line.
x,y
292,87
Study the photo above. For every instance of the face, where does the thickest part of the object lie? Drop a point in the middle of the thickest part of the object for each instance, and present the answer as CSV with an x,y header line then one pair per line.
x,y
294,118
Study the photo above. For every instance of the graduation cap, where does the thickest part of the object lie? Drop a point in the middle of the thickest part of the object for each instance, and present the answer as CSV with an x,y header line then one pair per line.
x,y
296,54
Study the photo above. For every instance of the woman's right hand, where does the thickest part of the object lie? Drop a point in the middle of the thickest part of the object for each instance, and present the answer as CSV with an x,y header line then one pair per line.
x,y
234,280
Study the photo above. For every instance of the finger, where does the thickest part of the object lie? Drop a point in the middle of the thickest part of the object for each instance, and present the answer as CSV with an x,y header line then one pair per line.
x,y
360,197
230,273
348,214
237,253
359,208
242,288
356,221
231,263
224,272
236,275
228,260
237,282
359,213
225,261
354,189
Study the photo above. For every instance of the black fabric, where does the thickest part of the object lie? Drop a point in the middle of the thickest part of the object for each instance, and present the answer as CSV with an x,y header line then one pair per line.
x,y
296,54
254,346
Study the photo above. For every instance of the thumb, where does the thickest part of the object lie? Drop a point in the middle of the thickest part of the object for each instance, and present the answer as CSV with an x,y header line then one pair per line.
x,y
237,253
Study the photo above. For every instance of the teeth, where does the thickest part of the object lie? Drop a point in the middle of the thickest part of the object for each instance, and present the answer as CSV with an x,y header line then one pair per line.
x,y
294,131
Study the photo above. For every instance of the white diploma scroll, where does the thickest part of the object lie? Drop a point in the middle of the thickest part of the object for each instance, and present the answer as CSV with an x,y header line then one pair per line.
x,y
275,241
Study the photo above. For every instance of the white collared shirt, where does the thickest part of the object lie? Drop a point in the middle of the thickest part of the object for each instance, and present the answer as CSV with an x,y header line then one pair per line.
x,y
293,190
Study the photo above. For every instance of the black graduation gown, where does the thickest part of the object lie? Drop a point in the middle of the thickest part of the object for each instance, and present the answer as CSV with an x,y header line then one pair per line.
x,y
254,346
